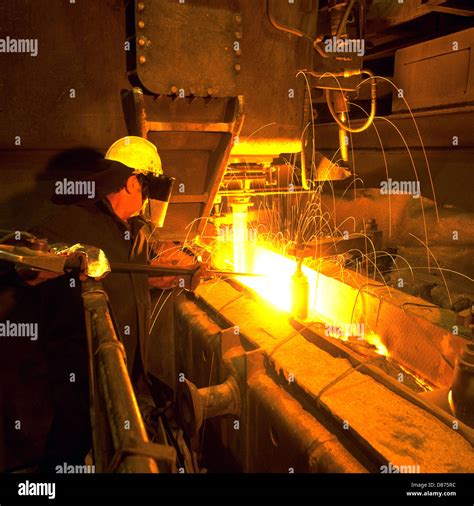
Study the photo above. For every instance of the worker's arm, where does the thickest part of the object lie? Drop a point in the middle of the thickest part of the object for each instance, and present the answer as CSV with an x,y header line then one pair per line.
x,y
163,282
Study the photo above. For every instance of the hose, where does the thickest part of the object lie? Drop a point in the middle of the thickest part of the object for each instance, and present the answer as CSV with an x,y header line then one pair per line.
x,y
293,31
284,28
373,105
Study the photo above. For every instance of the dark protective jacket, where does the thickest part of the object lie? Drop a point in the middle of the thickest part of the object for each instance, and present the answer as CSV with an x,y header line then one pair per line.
x,y
36,385
36,388
63,337
96,224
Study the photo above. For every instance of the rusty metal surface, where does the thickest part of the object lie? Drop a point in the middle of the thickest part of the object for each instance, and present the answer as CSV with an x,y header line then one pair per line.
x,y
436,73
207,41
66,96
206,48
197,38
272,432
444,158
285,437
366,416
73,88
418,336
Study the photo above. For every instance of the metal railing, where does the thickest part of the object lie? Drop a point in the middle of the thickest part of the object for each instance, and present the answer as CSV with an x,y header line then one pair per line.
x,y
120,441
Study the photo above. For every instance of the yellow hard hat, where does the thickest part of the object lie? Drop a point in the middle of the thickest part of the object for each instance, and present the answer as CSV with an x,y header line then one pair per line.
x,y
136,153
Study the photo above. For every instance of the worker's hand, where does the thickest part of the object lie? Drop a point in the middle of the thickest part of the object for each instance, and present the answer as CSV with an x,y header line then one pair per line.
x,y
170,257
195,278
163,283
191,281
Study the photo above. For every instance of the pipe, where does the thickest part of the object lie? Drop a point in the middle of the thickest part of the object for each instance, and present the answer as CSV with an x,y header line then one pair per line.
x,y
153,270
341,108
461,397
198,404
304,177
343,147
343,21
284,28
373,103
293,31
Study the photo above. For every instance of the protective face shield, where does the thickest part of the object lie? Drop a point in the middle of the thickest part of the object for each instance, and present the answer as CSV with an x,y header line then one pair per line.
x,y
142,155
156,192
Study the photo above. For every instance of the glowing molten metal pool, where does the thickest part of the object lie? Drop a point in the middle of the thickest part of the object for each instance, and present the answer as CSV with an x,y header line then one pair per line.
x,y
326,302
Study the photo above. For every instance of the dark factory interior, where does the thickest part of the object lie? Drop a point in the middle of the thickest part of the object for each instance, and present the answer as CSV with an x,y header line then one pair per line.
x,y
236,236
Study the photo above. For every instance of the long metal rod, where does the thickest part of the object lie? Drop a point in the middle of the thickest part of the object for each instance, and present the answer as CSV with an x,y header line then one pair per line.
x,y
263,193
231,273
153,270
156,271
344,18
111,378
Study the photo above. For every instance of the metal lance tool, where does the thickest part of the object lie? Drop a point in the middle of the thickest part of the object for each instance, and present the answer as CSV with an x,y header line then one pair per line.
x,y
158,271
68,260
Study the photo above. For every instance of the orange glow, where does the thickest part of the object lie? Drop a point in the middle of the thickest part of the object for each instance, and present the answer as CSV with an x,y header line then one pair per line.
x,y
375,340
324,303
329,302
275,286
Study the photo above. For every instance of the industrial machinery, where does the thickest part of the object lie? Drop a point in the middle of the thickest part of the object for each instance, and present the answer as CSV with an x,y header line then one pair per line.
x,y
322,171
